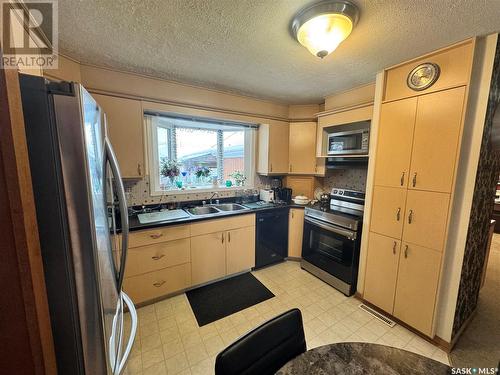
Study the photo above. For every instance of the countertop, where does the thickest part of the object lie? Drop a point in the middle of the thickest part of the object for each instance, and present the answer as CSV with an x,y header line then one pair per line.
x,y
353,358
134,223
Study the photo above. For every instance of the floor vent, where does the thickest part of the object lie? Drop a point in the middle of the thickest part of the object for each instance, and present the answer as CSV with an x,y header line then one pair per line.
x,y
377,315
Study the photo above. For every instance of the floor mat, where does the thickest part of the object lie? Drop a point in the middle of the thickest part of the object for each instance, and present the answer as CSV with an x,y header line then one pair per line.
x,y
218,300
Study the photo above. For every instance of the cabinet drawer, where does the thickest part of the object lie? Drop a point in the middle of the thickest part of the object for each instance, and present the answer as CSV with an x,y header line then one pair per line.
x,y
155,284
157,235
221,225
155,257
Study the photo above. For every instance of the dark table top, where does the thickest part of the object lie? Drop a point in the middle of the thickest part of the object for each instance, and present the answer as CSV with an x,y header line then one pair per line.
x,y
353,358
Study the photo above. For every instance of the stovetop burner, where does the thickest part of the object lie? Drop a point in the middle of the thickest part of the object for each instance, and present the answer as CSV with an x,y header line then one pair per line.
x,y
344,209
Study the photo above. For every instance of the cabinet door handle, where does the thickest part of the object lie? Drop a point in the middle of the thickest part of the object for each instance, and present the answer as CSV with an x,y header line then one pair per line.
x,y
292,214
157,257
402,180
398,214
156,236
228,236
410,216
290,167
394,247
414,179
222,237
139,169
271,167
406,251
316,169
159,283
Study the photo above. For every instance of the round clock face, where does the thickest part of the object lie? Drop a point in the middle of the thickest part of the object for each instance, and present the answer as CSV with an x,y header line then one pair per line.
x,y
423,76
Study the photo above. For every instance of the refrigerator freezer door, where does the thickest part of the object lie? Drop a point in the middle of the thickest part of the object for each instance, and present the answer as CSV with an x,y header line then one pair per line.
x,y
109,290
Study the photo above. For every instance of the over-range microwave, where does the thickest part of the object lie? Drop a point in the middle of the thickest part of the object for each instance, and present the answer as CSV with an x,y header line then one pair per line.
x,y
353,142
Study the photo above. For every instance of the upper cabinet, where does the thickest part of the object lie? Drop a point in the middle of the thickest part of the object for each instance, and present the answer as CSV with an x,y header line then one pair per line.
x,y
392,165
435,141
125,130
273,149
302,149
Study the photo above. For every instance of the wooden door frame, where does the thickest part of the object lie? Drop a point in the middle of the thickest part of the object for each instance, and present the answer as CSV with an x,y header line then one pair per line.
x,y
26,345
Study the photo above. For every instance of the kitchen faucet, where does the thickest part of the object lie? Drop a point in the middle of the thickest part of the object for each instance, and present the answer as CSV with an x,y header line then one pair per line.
x,y
215,194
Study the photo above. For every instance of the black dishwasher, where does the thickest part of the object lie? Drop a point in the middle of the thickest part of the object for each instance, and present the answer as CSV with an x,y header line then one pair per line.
x,y
271,243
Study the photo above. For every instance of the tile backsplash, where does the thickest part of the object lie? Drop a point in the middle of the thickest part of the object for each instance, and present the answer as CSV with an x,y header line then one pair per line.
x,y
352,179
137,193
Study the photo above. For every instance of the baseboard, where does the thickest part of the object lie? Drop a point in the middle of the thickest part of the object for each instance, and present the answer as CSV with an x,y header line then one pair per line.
x,y
436,340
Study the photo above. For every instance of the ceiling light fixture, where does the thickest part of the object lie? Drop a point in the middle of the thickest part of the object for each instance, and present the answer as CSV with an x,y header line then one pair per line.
x,y
321,27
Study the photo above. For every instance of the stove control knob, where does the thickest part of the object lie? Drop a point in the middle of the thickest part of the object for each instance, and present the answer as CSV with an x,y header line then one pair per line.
x,y
341,192
335,191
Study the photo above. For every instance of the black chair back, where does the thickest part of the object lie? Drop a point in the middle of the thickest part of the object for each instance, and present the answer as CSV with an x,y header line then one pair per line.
x,y
265,349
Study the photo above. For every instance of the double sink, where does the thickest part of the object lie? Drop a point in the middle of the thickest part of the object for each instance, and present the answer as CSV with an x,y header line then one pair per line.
x,y
216,209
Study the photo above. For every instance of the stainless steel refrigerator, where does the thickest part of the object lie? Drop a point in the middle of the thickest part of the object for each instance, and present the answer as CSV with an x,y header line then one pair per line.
x,y
73,171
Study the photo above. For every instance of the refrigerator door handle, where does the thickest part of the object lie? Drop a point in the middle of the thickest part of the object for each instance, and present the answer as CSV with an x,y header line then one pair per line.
x,y
122,202
133,330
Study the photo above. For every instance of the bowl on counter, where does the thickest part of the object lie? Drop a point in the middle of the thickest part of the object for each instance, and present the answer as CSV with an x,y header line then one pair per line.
x,y
301,199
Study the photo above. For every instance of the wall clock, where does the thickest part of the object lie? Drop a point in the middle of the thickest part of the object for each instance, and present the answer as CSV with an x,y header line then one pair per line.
x,y
423,76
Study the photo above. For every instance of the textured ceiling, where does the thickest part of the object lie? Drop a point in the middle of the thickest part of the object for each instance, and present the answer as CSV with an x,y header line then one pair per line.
x,y
244,46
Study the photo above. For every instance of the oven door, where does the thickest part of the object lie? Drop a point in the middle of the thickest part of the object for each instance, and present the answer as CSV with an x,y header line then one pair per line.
x,y
331,248
350,142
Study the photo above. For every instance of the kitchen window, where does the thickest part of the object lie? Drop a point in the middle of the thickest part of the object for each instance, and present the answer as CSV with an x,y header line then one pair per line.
x,y
191,153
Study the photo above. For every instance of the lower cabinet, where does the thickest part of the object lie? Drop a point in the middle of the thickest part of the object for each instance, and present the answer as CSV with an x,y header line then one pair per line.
x,y
166,260
382,271
295,232
208,254
151,285
222,247
417,286
240,250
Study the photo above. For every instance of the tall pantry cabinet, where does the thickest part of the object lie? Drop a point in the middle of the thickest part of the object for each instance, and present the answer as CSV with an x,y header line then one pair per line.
x,y
415,166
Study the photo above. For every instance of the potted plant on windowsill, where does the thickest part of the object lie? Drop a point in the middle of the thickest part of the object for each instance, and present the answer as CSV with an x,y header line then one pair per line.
x,y
170,169
239,178
202,173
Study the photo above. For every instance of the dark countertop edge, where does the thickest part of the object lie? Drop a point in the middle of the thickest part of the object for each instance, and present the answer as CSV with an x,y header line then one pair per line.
x,y
135,225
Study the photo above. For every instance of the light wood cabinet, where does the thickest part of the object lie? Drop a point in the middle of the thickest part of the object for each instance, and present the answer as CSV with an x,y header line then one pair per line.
x,y
417,286
273,149
301,185
302,148
125,130
222,247
208,257
435,142
158,235
382,271
425,218
222,224
158,262
152,285
397,120
295,232
388,210
155,257
240,250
